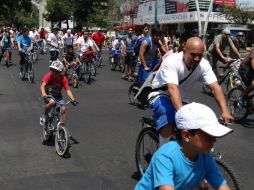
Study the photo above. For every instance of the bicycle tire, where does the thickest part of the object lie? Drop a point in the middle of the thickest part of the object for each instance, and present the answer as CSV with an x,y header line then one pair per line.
x,y
142,158
132,91
113,65
62,140
93,68
239,113
81,71
30,72
229,175
87,73
22,72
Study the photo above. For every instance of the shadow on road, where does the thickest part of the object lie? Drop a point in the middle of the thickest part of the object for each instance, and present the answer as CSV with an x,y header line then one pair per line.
x,y
248,123
136,176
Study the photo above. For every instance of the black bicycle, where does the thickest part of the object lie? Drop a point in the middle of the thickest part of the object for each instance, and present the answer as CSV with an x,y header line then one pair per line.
x,y
148,142
240,109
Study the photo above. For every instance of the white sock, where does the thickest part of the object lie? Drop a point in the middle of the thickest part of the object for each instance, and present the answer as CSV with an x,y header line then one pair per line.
x,y
163,140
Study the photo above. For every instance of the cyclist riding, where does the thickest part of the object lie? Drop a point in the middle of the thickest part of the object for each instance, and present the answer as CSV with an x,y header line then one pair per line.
x,y
186,162
52,84
99,38
69,58
6,43
54,41
215,51
173,81
84,43
24,44
42,36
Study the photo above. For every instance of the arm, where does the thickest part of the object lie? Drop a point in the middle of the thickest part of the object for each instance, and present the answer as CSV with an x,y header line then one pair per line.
x,y
175,95
70,95
167,187
252,63
217,47
220,99
162,49
236,51
43,91
224,187
142,53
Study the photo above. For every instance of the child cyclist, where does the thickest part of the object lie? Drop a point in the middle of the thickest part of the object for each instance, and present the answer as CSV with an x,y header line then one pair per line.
x,y
186,162
69,58
52,84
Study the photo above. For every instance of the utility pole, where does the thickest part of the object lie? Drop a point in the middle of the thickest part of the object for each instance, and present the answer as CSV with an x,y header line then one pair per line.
x,y
155,13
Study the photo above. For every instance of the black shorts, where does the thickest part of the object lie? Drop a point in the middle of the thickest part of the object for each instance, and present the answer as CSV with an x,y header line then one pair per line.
x,y
130,59
246,73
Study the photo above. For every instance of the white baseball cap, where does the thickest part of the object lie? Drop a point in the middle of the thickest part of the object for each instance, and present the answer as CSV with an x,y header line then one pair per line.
x,y
69,30
226,31
199,116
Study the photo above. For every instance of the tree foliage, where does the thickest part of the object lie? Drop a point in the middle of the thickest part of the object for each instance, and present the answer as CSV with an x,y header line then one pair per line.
x,y
238,15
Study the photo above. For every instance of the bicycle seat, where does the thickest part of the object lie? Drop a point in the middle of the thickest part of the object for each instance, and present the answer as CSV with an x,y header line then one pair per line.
x,y
148,120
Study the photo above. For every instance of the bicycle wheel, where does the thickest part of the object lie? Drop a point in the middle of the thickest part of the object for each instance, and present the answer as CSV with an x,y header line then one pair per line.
x,y
238,111
74,80
87,73
121,65
93,68
132,91
81,71
229,175
62,140
147,143
30,72
22,72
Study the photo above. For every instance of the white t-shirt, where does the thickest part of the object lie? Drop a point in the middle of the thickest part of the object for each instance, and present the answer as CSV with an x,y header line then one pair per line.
x,y
85,46
173,70
55,40
68,40
33,35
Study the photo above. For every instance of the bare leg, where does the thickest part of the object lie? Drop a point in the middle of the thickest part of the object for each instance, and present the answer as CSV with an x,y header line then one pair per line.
x,y
49,106
165,134
64,114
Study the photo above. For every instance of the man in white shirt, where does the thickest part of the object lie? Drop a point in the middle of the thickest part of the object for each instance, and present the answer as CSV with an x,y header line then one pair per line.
x,y
54,41
84,43
33,34
173,82
67,39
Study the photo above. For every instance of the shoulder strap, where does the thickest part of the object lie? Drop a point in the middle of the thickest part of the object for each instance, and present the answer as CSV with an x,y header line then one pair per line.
x,y
164,87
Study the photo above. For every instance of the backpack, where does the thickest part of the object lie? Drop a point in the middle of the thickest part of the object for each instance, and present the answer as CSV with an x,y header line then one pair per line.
x,y
139,42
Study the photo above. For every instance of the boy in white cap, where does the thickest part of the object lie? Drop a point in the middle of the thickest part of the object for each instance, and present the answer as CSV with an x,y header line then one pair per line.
x,y
186,162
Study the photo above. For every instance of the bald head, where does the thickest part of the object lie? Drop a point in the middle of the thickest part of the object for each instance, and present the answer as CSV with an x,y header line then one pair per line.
x,y
194,43
193,52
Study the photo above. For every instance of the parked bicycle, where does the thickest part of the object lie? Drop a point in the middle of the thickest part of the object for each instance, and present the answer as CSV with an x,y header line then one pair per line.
x,y
55,130
27,68
230,76
240,109
148,142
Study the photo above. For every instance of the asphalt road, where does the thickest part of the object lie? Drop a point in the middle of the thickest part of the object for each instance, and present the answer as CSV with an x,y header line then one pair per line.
x,y
105,128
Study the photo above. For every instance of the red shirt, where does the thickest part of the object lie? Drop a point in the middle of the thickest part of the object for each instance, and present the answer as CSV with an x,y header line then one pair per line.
x,y
98,38
54,86
42,34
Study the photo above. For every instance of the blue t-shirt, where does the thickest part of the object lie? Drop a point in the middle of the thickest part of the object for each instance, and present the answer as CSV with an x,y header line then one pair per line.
x,y
25,42
130,43
169,166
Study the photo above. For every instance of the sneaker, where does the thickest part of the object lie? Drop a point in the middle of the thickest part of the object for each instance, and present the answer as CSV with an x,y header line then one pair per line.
x,y
125,77
130,79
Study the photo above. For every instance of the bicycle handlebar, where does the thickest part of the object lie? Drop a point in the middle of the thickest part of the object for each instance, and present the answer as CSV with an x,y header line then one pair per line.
x,y
46,100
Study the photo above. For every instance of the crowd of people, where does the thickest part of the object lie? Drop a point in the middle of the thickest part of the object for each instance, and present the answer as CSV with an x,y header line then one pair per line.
x,y
179,63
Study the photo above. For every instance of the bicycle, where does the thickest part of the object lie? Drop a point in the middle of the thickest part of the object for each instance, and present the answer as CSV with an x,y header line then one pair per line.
x,y
118,61
235,104
27,68
7,56
72,74
231,74
148,142
87,68
98,59
55,130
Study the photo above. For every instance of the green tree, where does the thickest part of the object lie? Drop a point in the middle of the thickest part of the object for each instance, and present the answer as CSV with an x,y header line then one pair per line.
x,y
58,10
238,15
